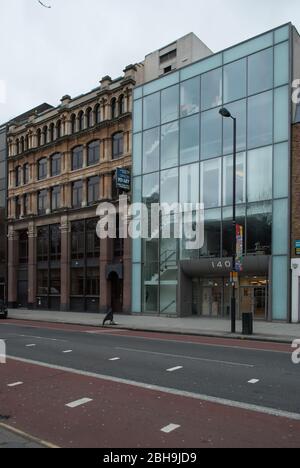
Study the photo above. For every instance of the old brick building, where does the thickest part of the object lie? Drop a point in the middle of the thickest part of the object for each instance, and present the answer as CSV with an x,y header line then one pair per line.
x,y
295,217
61,164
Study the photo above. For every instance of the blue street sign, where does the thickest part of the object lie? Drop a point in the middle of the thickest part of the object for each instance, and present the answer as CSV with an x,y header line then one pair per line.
x,y
123,179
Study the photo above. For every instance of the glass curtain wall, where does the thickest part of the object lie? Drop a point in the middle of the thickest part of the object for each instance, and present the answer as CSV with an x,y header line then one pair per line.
x,y
183,151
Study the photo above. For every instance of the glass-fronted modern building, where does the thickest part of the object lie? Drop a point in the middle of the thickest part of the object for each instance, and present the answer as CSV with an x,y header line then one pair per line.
x,y
183,152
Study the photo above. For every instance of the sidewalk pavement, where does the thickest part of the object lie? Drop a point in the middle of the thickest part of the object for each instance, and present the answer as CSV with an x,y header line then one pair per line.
x,y
263,331
10,438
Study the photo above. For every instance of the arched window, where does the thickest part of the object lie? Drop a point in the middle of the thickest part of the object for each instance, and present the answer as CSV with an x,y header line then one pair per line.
x,y
81,121
73,123
22,145
121,105
58,129
39,137
55,164
113,106
26,173
97,112
45,134
77,158
26,143
93,152
18,146
117,145
89,117
18,176
51,132
42,168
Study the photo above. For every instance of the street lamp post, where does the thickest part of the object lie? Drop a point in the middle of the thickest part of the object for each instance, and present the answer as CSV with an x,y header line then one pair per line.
x,y
226,114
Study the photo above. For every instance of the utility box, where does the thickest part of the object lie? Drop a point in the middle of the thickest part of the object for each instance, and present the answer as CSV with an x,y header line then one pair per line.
x,y
247,323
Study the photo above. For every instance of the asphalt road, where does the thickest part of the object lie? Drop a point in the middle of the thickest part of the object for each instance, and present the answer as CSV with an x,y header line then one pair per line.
x,y
160,369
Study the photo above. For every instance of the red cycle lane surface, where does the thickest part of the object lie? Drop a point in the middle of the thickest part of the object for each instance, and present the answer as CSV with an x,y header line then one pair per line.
x,y
125,416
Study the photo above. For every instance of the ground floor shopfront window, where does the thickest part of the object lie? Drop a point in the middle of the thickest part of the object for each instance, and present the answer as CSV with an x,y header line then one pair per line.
x,y
212,296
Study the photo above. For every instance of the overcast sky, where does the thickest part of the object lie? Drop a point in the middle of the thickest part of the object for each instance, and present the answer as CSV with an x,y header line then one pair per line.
x,y
46,53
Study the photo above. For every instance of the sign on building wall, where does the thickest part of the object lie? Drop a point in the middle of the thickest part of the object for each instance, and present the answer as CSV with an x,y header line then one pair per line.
x,y
239,248
123,179
297,245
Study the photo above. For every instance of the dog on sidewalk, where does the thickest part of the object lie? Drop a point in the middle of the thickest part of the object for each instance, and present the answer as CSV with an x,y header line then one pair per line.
x,y
109,318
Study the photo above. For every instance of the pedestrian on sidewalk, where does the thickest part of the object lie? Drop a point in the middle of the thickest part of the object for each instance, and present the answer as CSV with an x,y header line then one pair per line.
x,y
109,318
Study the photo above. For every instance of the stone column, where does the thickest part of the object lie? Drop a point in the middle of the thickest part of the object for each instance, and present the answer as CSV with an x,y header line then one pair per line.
x,y
13,257
68,195
65,265
127,276
34,203
107,186
107,149
84,193
48,206
105,285
32,265
85,156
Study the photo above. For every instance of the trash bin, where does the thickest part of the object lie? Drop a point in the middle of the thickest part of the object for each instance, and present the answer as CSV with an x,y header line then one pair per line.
x,y
247,324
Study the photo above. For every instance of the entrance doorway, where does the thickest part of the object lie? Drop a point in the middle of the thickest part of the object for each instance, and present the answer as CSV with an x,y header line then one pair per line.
x,y
22,293
254,299
116,293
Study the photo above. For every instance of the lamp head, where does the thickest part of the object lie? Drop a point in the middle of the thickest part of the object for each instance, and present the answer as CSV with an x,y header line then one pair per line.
x,y
225,112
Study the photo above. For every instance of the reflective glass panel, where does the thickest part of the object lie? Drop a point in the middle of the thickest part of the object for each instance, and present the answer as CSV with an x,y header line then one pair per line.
x,y
281,64
260,120
151,111
138,116
237,110
189,139
151,188
281,114
280,227
259,229
240,179
281,171
259,170
280,288
169,186
260,71
211,134
151,150
169,145
211,89
169,104
189,183
190,97
211,183
235,77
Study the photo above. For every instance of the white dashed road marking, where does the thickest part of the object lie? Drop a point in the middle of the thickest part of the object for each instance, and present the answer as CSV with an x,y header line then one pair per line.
x,y
173,369
16,384
30,346
115,359
68,351
170,428
75,404
253,381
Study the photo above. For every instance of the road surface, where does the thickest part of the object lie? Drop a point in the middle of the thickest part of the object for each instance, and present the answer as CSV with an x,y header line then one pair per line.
x,y
75,386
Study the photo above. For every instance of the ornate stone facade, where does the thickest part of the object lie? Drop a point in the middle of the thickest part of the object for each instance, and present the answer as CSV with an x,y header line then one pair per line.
x,y
42,193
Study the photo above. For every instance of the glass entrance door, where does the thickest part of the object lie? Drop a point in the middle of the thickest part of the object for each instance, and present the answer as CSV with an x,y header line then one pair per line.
x,y
254,300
